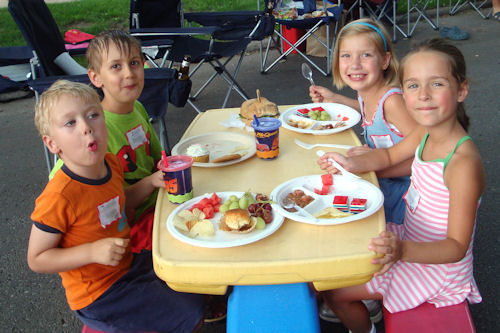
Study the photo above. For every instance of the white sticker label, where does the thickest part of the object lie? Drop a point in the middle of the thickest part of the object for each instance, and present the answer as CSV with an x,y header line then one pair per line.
x,y
412,198
382,141
136,137
109,212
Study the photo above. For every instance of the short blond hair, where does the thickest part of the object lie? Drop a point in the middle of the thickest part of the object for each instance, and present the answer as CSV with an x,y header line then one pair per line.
x,y
99,46
51,96
391,73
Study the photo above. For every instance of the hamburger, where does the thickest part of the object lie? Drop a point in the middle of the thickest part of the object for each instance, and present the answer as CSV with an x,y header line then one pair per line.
x,y
238,221
260,107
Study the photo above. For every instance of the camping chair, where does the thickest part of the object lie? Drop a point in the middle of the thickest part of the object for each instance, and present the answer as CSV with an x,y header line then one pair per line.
x,y
477,5
381,9
229,34
42,35
312,26
420,7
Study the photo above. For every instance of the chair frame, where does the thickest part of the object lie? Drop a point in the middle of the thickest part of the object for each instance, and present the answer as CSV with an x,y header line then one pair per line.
x,y
459,4
329,46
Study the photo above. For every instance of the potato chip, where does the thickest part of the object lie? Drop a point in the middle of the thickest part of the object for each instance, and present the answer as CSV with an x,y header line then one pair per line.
x,y
330,213
203,228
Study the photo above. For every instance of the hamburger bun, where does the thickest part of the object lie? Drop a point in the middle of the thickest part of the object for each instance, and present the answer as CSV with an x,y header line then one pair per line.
x,y
260,107
237,220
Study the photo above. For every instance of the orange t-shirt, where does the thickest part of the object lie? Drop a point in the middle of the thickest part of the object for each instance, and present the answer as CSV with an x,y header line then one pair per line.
x,y
84,211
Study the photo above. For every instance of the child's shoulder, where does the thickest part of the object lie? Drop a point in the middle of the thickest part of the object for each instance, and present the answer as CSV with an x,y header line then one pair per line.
x,y
466,163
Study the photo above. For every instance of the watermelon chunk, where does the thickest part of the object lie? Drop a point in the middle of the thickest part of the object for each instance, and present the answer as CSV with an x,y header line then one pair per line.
x,y
327,179
319,108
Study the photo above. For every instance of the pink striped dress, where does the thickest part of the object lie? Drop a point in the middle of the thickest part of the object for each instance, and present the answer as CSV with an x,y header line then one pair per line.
x,y
407,285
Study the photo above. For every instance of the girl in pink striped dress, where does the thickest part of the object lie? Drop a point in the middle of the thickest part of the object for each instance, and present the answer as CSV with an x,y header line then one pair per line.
x,y
429,257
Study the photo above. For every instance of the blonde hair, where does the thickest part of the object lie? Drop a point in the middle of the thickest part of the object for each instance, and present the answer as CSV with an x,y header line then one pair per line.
x,y
354,28
51,96
99,45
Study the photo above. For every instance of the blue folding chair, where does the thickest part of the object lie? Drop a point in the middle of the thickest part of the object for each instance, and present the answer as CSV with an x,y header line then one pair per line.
x,y
311,26
43,37
229,34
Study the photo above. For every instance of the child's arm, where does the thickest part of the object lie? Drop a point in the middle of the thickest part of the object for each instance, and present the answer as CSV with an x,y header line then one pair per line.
x,y
465,192
376,159
137,192
323,95
45,255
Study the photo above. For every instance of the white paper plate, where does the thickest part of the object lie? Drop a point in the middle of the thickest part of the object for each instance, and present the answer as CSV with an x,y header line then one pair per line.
x,y
336,111
219,144
221,238
341,186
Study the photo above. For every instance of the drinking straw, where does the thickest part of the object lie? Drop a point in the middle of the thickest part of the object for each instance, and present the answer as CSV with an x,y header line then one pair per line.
x,y
256,120
165,161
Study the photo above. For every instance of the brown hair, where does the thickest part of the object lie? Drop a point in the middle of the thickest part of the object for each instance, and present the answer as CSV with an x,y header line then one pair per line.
x,y
354,28
457,68
50,97
99,45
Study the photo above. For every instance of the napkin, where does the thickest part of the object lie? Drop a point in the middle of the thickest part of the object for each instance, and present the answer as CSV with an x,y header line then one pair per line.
x,y
235,121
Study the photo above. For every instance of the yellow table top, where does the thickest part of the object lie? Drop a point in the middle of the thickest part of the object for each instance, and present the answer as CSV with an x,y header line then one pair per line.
x,y
329,256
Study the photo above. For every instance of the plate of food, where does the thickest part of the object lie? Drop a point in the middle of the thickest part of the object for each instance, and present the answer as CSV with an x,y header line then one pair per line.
x,y
326,199
217,149
224,219
320,118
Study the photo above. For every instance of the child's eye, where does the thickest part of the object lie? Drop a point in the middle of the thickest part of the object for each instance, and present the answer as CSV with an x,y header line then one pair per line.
x,y
69,123
411,86
93,115
437,84
345,55
115,66
367,54
134,62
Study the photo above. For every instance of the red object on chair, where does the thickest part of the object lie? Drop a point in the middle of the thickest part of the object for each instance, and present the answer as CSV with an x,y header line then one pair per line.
x,y
429,319
293,35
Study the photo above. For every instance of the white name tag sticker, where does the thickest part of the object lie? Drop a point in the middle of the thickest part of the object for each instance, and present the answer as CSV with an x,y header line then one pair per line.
x,y
136,137
382,141
412,198
109,212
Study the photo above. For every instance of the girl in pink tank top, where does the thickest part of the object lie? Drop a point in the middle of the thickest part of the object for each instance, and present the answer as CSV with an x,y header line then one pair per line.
x,y
429,257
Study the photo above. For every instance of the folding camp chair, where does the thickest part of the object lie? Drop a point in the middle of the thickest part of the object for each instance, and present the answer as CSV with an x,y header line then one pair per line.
x,y
42,35
384,9
477,5
419,7
311,25
229,35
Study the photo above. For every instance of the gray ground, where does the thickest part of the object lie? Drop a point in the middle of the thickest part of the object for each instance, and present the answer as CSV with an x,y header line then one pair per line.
x,y
32,302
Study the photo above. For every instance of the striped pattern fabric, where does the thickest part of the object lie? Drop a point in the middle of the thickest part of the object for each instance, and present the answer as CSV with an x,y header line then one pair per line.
x,y
407,285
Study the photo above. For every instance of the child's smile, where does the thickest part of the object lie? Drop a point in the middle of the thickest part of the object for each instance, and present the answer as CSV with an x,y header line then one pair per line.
x,y
361,66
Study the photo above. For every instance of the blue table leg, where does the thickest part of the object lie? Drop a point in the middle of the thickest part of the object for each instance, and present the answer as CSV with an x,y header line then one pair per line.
x,y
272,308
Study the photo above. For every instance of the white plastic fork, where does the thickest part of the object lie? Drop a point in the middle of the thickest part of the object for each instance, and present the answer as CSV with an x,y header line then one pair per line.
x,y
311,146
338,166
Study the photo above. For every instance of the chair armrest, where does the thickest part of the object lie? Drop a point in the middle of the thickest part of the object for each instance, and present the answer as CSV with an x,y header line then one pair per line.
x,y
164,32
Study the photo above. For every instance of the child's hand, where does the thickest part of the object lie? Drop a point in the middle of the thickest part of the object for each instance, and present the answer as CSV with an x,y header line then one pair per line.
x,y
389,245
327,165
320,94
359,150
109,251
157,179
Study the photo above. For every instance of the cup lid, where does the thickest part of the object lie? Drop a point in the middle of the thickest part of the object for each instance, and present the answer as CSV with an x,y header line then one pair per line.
x,y
266,123
176,163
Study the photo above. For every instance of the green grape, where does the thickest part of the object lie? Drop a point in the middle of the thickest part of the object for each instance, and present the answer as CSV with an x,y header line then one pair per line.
x,y
261,224
325,116
223,208
250,198
243,202
234,205
233,198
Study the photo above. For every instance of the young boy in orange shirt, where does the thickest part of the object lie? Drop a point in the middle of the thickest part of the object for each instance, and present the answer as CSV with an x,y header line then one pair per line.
x,y
81,229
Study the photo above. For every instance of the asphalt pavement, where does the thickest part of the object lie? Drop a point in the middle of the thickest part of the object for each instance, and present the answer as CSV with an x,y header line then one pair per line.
x,y
31,302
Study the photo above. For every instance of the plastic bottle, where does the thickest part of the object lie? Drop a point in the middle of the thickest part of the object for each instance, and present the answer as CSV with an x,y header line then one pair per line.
x,y
184,69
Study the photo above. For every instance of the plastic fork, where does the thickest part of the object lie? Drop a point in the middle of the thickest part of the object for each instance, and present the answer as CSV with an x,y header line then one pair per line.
x,y
338,166
289,203
310,146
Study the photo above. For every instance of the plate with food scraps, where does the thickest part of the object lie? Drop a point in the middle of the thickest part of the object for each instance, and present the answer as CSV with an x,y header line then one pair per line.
x,y
223,148
198,235
327,199
320,118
